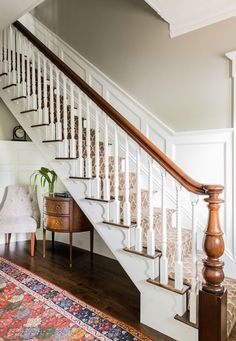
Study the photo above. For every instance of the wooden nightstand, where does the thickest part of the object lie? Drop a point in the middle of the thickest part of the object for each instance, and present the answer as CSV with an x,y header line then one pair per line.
x,y
63,215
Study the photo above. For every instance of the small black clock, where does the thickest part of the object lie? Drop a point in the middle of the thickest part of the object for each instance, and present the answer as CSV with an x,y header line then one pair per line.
x,y
19,134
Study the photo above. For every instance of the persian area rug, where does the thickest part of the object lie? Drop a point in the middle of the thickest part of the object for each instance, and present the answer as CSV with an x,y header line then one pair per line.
x,y
34,309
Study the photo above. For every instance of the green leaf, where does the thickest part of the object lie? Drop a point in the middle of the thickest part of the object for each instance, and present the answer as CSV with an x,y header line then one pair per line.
x,y
41,181
46,176
45,170
44,182
35,180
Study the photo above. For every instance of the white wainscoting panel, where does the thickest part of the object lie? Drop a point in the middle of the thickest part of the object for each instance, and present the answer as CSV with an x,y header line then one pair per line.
x,y
208,157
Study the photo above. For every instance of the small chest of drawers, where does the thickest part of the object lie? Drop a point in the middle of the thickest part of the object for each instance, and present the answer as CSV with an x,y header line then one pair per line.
x,y
64,215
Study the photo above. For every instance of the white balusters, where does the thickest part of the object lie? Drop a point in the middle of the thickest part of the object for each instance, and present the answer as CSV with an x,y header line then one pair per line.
x,y
9,55
28,80
18,50
127,213
80,137
150,232
178,259
45,93
51,130
106,181
23,70
13,56
65,151
58,108
97,180
164,259
39,115
138,230
88,161
34,95
193,302
72,122
116,202
5,67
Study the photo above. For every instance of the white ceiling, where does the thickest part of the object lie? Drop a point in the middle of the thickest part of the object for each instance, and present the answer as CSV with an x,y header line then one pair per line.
x,y
183,15
11,10
188,15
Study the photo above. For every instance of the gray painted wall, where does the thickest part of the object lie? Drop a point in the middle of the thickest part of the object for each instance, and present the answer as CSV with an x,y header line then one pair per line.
x,y
184,81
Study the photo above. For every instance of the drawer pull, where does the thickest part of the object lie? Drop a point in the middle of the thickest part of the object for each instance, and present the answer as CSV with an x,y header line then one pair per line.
x,y
58,208
58,222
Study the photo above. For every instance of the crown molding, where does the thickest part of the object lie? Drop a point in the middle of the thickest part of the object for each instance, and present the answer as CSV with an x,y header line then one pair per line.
x,y
189,17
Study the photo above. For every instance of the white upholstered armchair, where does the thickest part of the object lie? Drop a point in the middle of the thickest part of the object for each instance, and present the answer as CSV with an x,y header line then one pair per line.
x,y
19,212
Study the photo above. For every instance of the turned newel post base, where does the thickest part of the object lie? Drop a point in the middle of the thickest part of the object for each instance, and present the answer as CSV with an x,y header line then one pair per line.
x,y
213,296
212,316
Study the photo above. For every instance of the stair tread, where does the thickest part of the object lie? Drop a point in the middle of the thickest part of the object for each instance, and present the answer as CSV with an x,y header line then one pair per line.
x,y
8,86
28,111
66,158
186,319
101,199
121,224
39,125
50,141
143,253
17,98
81,178
229,283
170,286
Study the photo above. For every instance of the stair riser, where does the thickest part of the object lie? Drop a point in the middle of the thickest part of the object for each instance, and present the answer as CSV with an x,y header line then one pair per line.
x,y
132,199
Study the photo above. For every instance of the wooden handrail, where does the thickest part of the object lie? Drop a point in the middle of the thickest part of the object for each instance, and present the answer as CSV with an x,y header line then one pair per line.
x,y
175,171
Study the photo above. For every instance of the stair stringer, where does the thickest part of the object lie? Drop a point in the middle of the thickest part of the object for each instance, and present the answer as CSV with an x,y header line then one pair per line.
x,y
158,305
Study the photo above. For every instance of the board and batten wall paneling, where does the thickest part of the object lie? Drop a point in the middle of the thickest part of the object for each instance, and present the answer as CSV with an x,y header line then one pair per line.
x,y
208,157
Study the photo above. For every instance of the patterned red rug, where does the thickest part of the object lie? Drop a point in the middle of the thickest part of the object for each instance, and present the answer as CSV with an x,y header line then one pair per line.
x,y
34,309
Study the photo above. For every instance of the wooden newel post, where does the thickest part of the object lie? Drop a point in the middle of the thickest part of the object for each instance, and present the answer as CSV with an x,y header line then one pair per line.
x,y
213,296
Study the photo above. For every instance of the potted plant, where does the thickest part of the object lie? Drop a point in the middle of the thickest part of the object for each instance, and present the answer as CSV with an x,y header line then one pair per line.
x,y
46,176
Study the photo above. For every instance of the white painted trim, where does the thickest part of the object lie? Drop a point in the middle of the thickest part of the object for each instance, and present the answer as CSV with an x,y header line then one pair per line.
x,y
185,20
164,137
223,137
232,56
178,28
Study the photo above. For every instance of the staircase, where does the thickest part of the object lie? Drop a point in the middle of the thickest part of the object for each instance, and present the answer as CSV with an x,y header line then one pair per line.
x,y
121,181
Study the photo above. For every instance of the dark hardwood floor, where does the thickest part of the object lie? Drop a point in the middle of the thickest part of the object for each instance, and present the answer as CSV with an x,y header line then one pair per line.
x,y
99,281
